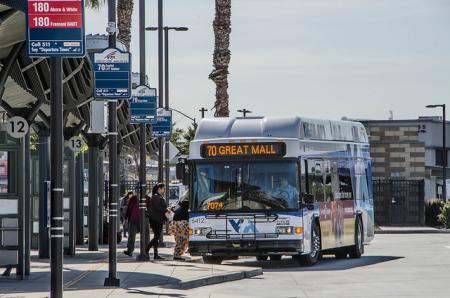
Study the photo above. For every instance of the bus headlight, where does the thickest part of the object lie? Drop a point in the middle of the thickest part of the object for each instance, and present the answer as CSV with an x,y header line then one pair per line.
x,y
285,230
201,231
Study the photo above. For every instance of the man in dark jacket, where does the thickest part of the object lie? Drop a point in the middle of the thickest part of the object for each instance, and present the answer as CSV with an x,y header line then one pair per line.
x,y
133,216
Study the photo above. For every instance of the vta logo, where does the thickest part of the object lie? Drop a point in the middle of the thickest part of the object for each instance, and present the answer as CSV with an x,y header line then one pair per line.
x,y
111,55
248,228
236,224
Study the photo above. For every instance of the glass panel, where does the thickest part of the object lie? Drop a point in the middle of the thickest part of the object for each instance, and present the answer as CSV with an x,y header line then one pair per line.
x,y
10,238
4,172
35,177
66,183
9,206
8,257
10,223
246,186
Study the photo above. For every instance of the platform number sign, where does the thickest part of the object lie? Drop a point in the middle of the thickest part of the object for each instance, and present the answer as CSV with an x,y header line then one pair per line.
x,y
76,144
17,127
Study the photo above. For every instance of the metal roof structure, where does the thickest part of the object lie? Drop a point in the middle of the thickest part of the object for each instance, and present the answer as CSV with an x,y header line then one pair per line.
x,y
25,83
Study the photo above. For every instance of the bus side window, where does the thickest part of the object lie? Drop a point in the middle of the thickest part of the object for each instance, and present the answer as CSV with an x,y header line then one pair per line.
x,y
315,180
345,181
304,185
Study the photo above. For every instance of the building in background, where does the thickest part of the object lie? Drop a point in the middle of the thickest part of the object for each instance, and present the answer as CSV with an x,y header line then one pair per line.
x,y
409,149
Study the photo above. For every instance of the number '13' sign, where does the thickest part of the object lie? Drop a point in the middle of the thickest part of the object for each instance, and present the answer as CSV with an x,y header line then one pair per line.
x,y
17,127
76,143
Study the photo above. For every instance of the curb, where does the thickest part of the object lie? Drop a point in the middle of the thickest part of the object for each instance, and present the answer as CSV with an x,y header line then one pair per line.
x,y
215,279
443,231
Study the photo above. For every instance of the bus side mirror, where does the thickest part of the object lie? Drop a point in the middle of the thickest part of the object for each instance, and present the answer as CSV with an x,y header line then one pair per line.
x,y
182,172
308,198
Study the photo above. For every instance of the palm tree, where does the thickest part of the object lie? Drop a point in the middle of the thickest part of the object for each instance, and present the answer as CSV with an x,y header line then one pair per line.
x,y
222,56
124,13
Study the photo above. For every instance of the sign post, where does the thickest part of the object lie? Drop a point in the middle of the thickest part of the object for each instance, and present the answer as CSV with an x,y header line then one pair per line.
x,y
112,73
143,105
163,126
55,29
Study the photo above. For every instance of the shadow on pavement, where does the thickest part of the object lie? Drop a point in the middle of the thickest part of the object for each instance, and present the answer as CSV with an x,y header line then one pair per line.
x,y
147,293
40,281
326,264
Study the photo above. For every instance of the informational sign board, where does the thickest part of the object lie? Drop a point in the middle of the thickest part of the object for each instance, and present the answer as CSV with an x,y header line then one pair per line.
x,y
143,105
112,74
76,144
17,127
163,125
55,28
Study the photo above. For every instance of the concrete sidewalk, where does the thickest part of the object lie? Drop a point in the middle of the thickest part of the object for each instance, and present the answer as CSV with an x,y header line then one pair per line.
x,y
85,273
410,230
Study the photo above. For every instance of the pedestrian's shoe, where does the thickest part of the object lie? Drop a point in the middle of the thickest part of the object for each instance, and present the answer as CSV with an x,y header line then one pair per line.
x,y
128,253
178,258
157,257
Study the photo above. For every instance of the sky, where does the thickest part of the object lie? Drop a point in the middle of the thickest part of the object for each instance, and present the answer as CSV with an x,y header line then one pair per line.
x,y
313,58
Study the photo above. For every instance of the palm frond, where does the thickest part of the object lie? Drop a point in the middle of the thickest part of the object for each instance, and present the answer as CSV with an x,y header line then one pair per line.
x,y
94,3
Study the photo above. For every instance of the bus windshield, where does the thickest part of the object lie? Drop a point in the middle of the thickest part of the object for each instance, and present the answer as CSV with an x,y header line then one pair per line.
x,y
246,186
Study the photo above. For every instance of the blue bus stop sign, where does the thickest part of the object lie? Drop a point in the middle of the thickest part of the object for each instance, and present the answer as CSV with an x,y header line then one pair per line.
x,y
163,126
55,28
143,105
112,73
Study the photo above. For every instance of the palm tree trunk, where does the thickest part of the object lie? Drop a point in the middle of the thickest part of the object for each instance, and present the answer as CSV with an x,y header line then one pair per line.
x,y
222,56
124,13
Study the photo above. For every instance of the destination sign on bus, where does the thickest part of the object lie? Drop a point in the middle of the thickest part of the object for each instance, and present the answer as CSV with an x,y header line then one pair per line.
x,y
243,150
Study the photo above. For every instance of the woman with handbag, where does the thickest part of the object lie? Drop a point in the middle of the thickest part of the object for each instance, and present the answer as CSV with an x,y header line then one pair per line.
x,y
156,211
180,226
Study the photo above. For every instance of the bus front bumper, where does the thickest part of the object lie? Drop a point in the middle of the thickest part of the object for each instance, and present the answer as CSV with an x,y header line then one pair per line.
x,y
245,247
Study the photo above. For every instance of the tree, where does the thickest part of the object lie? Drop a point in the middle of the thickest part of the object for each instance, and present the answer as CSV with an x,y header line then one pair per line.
x,y
222,56
124,20
182,138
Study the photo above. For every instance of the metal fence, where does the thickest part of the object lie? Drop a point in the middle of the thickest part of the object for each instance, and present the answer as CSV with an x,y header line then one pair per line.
x,y
399,202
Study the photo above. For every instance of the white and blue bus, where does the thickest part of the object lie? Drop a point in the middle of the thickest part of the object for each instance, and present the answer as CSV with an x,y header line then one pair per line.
x,y
269,187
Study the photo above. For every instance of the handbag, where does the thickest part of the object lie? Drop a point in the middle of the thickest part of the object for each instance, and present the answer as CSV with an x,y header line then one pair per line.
x,y
169,215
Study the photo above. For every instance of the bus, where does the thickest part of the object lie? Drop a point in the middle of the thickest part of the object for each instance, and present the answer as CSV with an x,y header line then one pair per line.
x,y
270,187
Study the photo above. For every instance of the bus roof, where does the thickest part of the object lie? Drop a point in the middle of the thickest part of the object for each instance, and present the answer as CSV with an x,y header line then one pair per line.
x,y
280,127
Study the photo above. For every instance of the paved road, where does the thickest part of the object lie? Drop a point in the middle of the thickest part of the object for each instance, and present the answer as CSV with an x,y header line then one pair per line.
x,y
402,265
413,265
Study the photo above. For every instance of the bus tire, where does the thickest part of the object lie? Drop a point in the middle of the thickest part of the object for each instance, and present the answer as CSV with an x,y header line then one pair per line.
x,y
275,257
357,250
262,258
312,258
212,260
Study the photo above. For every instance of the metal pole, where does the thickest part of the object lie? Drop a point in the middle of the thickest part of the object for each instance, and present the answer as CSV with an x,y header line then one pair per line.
x,y
28,225
444,157
166,62
112,279
143,256
161,85
93,222
56,201
80,198
44,177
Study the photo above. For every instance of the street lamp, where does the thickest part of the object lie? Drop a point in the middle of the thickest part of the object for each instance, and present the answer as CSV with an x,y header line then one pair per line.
x,y
444,151
203,110
244,112
166,30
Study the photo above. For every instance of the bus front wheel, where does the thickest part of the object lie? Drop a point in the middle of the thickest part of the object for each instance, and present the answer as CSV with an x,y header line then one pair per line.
x,y
312,258
357,250
262,258
212,260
